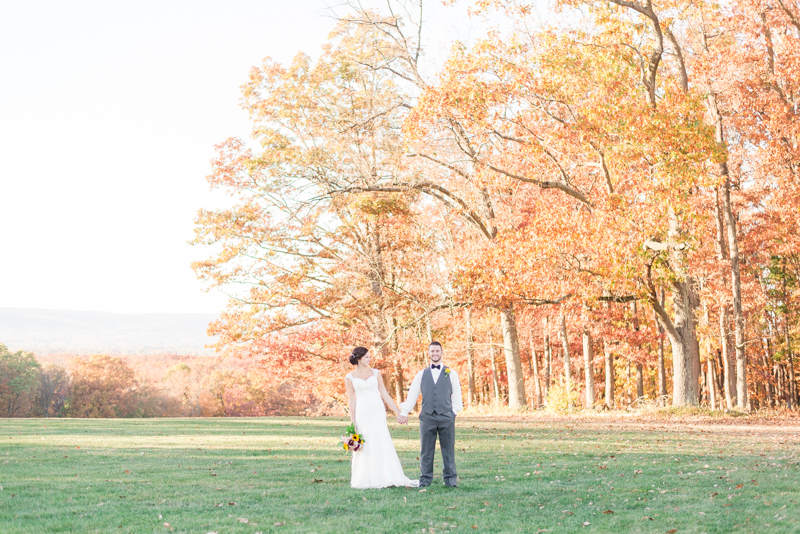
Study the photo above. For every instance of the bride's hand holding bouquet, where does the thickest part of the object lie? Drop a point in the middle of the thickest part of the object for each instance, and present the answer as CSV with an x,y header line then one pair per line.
x,y
352,441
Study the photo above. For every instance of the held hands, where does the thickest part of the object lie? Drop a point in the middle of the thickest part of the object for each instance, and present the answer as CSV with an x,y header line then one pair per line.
x,y
402,419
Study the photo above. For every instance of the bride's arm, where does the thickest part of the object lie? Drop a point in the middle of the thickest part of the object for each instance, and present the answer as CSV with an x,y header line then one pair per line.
x,y
386,397
351,400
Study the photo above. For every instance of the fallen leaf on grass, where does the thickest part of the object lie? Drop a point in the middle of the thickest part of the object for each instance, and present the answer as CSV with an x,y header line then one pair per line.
x,y
608,512
474,526
167,525
586,523
231,504
243,520
738,486
451,507
648,518
423,490
317,480
280,524
673,531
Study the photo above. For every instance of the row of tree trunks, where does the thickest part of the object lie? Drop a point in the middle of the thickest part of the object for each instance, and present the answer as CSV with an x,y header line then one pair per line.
x,y
717,372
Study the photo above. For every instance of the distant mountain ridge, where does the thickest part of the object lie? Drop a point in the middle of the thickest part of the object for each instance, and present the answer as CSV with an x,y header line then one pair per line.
x,y
85,332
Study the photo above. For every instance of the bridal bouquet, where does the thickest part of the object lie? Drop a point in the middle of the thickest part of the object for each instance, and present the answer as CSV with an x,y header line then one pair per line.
x,y
352,441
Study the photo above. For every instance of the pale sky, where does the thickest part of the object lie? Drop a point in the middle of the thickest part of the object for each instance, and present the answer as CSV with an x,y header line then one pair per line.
x,y
109,112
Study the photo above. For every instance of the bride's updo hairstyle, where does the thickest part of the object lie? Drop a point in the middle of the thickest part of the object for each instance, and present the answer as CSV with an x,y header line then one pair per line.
x,y
357,354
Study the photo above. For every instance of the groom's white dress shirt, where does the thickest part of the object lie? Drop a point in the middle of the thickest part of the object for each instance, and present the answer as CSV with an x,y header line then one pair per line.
x,y
416,385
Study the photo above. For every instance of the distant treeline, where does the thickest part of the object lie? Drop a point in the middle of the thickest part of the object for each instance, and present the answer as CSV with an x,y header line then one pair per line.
x,y
164,385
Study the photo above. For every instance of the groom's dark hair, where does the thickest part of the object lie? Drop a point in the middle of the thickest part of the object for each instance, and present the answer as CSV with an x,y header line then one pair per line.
x,y
435,343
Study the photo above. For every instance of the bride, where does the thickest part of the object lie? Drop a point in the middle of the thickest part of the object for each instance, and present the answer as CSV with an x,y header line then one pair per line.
x,y
376,465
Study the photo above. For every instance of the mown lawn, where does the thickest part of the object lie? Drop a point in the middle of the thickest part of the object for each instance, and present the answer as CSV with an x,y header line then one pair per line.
x,y
287,475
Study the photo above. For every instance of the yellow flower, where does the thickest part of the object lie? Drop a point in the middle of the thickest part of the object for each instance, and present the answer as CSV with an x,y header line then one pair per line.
x,y
356,437
345,446
447,371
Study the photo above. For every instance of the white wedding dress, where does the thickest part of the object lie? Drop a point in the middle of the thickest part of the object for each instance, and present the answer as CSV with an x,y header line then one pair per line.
x,y
376,465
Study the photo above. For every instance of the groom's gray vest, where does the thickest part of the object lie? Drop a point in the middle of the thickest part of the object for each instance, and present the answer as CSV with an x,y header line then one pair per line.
x,y
436,397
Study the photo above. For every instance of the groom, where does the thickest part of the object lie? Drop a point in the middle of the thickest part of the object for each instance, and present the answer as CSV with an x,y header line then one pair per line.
x,y
441,402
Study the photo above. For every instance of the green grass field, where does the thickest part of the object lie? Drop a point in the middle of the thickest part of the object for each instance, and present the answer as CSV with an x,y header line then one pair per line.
x,y
287,475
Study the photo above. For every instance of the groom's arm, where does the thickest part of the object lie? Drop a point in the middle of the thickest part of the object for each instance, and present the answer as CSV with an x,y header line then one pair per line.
x,y
413,395
455,397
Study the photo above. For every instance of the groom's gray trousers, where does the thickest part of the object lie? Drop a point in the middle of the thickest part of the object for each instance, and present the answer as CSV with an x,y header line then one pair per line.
x,y
444,426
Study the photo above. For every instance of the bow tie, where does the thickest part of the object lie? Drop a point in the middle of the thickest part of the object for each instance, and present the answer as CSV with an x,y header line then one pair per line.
x,y
436,366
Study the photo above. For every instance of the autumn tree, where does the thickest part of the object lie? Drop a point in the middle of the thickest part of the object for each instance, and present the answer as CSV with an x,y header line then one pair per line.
x,y
54,390
324,264
102,386
18,382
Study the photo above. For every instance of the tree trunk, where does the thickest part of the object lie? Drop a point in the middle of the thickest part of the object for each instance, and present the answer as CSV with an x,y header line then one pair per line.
x,y
639,381
738,316
682,330
710,377
609,360
662,369
548,358
639,370
792,385
537,387
495,382
766,362
685,350
516,378
729,369
712,396
565,348
588,356
399,381
733,250
470,361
